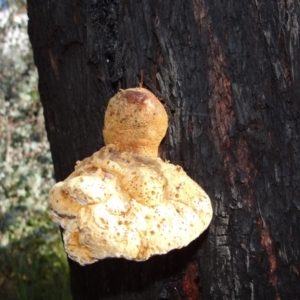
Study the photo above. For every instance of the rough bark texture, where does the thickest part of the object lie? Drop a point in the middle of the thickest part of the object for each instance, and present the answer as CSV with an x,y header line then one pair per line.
x,y
229,74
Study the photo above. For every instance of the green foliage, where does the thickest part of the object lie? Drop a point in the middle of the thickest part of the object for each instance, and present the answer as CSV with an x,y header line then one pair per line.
x,y
33,264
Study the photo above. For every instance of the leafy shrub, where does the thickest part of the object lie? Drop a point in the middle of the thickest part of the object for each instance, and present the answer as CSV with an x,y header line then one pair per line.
x,y
33,264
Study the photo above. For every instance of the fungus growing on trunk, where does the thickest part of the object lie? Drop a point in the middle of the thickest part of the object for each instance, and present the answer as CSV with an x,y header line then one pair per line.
x,y
124,201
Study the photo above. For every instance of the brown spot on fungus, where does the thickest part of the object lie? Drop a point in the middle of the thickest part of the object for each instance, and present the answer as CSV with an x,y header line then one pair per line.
x,y
136,97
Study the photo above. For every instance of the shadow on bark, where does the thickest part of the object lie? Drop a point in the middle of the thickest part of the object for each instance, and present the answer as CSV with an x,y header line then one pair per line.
x,y
116,276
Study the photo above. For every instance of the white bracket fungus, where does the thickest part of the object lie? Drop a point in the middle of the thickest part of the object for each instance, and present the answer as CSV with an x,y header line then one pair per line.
x,y
124,201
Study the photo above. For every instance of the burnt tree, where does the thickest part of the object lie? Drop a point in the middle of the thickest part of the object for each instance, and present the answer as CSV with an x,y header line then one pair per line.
x,y
228,73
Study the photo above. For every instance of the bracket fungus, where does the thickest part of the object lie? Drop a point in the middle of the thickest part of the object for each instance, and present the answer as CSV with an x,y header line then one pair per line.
x,y
124,201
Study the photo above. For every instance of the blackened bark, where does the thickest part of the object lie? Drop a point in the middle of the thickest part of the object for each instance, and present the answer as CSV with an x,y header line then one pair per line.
x,y
229,73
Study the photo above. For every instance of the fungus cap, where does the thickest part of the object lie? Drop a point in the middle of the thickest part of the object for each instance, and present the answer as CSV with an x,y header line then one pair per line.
x,y
124,201
136,207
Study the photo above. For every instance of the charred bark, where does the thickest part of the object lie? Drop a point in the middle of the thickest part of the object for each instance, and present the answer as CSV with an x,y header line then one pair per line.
x,y
228,73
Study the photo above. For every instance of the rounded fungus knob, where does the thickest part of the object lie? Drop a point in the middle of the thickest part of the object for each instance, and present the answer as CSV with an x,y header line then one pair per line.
x,y
135,121
124,201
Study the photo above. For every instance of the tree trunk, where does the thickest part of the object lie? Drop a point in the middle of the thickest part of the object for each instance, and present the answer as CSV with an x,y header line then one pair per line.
x,y
228,73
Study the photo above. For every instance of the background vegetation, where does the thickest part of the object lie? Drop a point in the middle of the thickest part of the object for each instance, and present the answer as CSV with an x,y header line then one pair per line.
x,y
33,264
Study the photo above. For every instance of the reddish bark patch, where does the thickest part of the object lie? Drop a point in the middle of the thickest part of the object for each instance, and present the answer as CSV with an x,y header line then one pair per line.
x,y
189,283
295,269
244,164
53,64
220,102
267,244
236,155
243,156
199,13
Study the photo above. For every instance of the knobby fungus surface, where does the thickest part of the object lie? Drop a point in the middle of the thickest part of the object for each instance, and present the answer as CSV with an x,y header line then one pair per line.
x,y
124,201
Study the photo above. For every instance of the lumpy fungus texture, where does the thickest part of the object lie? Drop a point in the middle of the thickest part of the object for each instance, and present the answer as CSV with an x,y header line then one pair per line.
x,y
124,201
